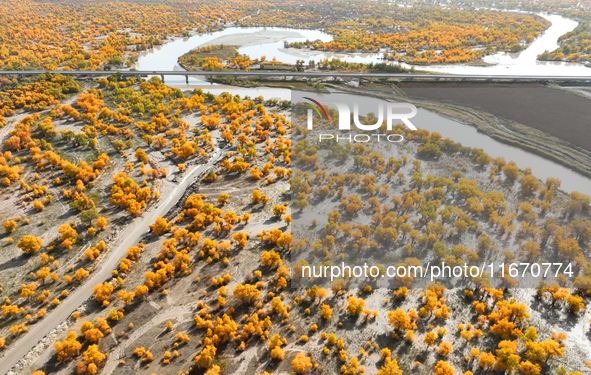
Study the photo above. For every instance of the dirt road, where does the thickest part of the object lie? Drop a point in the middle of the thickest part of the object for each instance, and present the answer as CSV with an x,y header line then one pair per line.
x,y
127,238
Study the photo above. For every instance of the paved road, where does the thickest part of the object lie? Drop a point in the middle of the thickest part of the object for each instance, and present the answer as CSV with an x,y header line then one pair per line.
x,y
315,74
129,237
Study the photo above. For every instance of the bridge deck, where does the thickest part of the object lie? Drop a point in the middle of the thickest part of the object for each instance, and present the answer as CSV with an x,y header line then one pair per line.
x,y
398,76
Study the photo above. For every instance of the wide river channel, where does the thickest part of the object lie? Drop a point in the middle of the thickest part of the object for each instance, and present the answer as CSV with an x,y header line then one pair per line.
x,y
268,42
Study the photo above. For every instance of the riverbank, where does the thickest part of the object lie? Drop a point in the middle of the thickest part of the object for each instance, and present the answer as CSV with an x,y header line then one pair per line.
x,y
501,126
269,42
531,137
548,121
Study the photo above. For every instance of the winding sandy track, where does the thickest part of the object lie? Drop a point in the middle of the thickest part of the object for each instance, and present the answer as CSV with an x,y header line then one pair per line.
x,y
127,238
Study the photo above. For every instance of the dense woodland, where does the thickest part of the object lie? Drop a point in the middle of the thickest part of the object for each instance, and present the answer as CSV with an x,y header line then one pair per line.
x,y
421,35
105,35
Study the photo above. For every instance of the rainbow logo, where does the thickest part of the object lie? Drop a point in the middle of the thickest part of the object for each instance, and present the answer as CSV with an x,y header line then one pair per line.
x,y
317,107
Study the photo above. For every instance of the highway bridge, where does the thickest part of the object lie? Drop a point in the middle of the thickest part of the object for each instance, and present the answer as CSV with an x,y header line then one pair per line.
x,y
313,74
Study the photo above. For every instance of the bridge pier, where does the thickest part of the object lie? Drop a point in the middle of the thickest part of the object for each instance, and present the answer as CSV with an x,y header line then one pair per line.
x,y
162,77
187,79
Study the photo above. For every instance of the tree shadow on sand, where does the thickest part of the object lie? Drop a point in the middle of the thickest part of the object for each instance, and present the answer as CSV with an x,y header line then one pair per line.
x,y
14,262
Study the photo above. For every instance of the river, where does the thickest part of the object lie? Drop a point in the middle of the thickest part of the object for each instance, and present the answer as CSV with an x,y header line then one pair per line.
x,y
469,136
268,42
257,42
525,62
